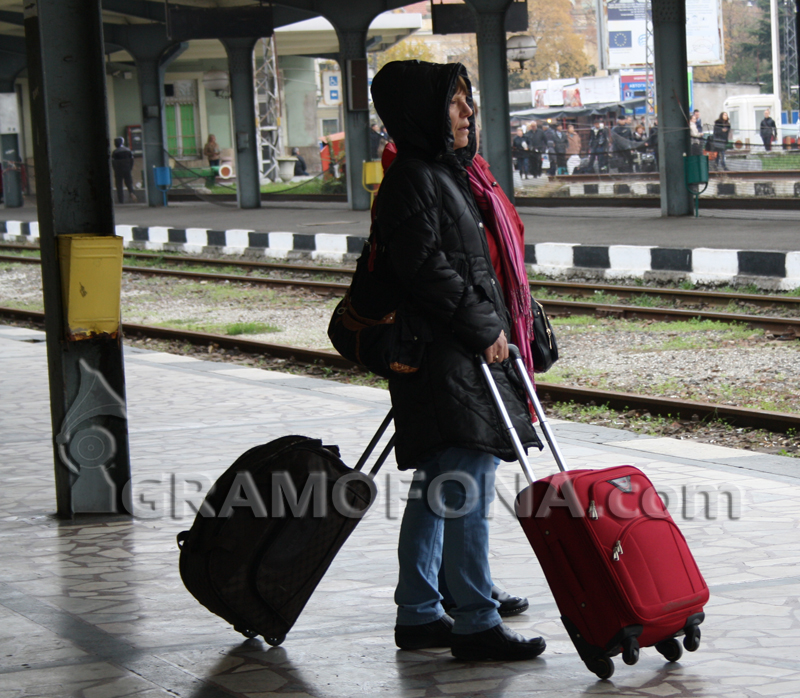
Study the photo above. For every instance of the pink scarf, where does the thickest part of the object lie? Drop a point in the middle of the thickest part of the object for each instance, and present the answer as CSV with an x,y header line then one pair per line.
x,y
517,291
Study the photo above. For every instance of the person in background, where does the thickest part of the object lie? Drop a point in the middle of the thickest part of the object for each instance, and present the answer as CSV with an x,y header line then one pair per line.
x,y
375,141
598,147
573,146
621,137
520,150
429,228
652,141
722,129
548,136
211,151
640,143
536,146
698,121
300,165
768,130
695,136
560,144
122,164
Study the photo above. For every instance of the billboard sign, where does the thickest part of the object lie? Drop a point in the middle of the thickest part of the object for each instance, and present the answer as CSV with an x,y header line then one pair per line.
x,y
599,90
633,85
549,93
626,33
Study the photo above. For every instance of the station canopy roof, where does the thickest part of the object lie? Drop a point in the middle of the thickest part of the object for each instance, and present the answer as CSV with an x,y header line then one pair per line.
x,y
317,37
312,36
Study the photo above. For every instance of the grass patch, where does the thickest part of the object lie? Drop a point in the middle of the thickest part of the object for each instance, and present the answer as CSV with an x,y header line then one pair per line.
x,y
190,324
781,161
37,306
222,292
31,253
647,301
311,186
605,298
238,328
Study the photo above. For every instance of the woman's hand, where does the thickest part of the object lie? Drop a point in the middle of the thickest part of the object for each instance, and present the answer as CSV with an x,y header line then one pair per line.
x,y
498,351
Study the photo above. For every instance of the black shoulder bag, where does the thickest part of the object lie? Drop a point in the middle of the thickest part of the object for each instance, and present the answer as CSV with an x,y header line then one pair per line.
x,y
369,325
544,346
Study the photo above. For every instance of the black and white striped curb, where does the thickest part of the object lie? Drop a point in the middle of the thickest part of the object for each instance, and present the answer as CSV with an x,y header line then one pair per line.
x,y
759,190
777,270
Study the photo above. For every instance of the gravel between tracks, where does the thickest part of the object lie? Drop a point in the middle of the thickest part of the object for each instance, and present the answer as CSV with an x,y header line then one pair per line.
x,y
742,368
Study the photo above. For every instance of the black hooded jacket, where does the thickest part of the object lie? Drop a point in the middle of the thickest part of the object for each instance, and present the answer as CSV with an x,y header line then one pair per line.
x,y
429,227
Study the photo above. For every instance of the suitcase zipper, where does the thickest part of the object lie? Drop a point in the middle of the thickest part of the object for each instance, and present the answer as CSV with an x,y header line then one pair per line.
x,y
617,551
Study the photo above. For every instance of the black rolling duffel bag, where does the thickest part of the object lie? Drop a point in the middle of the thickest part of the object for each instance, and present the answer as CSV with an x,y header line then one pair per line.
x,y
269,529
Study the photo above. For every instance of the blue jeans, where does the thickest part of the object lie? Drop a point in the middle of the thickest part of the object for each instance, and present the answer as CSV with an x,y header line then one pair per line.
x,y
445,524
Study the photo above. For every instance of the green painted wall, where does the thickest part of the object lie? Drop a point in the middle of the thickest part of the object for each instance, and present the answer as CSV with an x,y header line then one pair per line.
x,y
218,110
218,117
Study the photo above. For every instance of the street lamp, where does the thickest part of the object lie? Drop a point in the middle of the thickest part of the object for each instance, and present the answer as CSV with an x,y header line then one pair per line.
x,y
520,48
218,82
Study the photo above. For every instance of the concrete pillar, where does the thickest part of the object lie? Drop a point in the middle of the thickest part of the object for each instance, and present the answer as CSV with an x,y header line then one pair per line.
x,y
243,97
12,172
672,90
12,62
353,46
493,67
152,52
73,180
150,72
9,148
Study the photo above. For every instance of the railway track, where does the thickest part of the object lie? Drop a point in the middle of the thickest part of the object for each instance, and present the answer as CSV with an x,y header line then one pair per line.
x,y
740,417
784,326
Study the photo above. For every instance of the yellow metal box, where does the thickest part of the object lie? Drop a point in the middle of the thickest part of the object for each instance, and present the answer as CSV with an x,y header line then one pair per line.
x,y
91,278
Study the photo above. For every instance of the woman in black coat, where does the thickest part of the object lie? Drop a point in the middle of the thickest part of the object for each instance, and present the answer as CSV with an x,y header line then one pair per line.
x,y
722,129
429,230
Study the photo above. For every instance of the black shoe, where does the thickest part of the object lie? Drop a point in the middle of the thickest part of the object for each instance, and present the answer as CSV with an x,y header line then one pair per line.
x,y
509,605
438,633
498,643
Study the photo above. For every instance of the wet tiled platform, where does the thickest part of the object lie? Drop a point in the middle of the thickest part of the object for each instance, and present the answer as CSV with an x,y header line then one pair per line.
x,y
95,607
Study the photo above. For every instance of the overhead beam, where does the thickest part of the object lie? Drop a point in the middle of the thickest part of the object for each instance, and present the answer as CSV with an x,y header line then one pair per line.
x,y
136,8
141,9
12,44
12,18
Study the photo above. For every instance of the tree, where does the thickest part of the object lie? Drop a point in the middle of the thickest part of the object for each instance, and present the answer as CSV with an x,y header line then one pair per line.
x,y
406,50
560,49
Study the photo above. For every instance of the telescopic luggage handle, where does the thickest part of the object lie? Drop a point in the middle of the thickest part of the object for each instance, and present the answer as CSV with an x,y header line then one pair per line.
x,y
519,365
387,420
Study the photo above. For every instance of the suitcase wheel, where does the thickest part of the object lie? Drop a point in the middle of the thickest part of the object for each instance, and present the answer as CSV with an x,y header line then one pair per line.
x,y
630,651
602,666
692,639
249,634
671,649
274,641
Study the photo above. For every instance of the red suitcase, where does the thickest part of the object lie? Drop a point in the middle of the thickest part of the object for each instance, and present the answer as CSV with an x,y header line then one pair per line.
x,y
619,568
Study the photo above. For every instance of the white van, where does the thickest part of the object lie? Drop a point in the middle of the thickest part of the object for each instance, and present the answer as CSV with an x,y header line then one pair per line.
x,y
746,113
